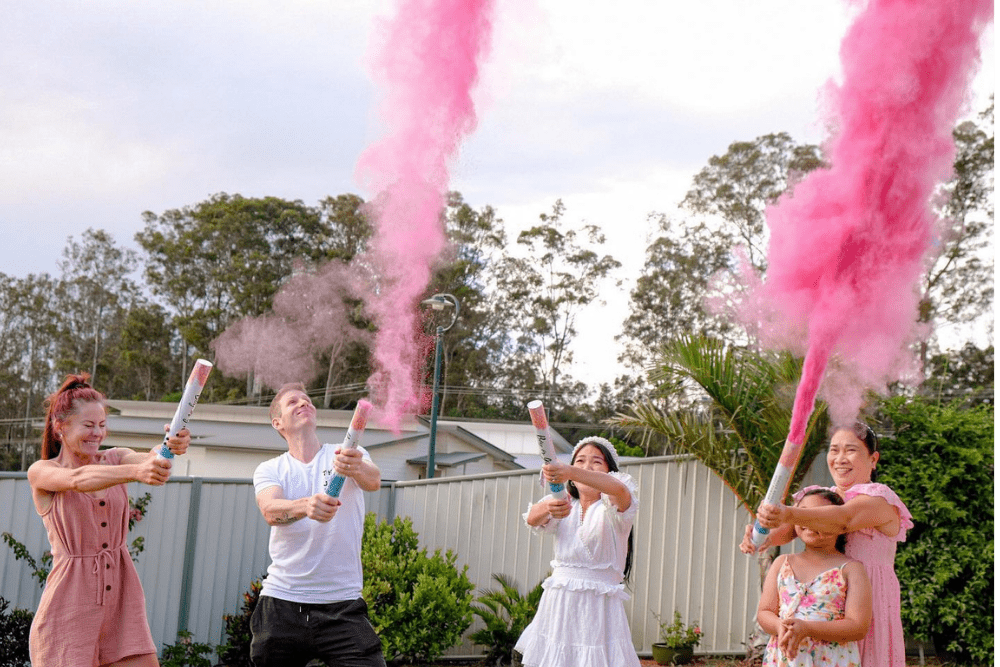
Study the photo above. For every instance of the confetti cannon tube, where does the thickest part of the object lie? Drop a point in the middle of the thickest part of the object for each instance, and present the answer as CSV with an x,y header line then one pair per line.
x,y
351,439
776,491
545,446
189,399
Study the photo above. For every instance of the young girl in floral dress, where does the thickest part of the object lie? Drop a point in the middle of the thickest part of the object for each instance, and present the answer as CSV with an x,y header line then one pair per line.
x,y
817,604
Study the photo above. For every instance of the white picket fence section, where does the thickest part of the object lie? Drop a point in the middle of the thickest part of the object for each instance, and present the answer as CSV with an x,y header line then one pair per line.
x,y
205,541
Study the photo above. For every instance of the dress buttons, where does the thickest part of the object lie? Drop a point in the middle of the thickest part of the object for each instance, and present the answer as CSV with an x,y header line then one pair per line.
x,y
104,524
107,566
107,588
103,503
104,546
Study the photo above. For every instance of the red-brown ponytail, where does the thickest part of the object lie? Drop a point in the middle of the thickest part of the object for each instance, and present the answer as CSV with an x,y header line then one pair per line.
x,y
63,403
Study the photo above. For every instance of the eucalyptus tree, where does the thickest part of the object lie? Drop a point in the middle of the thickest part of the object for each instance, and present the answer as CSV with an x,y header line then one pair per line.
x,y
476,348
543,291
668,297
224,258
737,186
93,296
957,288
144,351
28,333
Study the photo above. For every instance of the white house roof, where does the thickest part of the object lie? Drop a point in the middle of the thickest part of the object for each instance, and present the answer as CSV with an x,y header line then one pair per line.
x,y
512,444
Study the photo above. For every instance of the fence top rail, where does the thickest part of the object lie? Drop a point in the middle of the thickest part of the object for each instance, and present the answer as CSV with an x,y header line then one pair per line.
x,y
20,474
534,471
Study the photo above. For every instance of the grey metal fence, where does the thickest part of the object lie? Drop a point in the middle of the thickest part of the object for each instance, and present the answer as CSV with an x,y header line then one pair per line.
x,y
205,542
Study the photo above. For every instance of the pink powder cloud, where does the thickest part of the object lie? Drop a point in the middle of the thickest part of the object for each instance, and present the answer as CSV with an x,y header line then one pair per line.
x,y
849,244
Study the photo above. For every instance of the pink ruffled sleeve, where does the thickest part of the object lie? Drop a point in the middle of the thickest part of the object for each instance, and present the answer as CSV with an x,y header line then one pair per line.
x,y
883,491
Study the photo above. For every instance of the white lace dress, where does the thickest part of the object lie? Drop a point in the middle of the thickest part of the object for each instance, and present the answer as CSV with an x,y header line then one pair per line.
x,y
581,617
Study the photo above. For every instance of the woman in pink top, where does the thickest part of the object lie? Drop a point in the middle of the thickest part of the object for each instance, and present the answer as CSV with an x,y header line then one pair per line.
x,y
92,612
874,518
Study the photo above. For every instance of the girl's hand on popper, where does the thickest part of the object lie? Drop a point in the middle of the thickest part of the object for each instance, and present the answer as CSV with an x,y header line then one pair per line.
x,y
773,516
180,442
558,509
153,470
555,472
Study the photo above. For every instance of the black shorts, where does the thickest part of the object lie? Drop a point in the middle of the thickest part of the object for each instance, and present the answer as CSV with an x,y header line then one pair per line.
x,y
290,634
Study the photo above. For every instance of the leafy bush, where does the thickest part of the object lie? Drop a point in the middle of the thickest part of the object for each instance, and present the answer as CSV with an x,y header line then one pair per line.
x,y
15,625
418,604
506,614
940,462
235,652
39,568
186,653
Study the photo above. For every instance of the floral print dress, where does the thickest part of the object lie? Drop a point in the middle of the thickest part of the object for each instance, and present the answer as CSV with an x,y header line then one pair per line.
x,y
822,599
884,645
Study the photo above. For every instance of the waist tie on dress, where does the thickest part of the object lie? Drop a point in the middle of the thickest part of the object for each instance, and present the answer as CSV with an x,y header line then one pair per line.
x,y
603,576
103,560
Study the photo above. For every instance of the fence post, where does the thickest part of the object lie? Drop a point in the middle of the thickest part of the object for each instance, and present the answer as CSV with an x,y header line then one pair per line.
x,y
190,544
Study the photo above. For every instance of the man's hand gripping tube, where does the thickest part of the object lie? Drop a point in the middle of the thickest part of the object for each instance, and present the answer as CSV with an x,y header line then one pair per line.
x,y
779,486
351,439
545,446
189,399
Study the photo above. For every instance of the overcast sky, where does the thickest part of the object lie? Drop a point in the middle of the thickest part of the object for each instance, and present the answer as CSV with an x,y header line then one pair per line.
x,y
112,108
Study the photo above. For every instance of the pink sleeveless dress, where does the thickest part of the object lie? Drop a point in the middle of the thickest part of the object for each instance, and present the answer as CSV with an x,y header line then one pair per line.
x,y
92,611
884,645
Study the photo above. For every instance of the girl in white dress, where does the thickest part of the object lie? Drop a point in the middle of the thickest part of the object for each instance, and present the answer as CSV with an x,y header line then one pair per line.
x,y
581,617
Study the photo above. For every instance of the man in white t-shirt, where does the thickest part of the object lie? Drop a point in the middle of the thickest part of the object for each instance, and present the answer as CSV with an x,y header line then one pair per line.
x,y
310,605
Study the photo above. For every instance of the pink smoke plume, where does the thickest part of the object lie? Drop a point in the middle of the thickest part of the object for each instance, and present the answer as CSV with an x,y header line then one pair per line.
x,y
849,244
427,63
311,317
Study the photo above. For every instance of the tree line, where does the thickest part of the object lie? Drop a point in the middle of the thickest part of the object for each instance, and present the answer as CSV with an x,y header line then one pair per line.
x,y
135,320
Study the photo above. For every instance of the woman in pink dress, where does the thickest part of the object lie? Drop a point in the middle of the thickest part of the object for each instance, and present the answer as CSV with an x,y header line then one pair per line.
x,y
874,518
92,612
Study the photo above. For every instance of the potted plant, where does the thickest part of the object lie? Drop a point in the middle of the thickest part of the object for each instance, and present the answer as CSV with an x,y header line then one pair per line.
x,y
677,641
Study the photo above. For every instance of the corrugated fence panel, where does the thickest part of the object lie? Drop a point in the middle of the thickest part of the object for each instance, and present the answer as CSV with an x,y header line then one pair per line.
x,y
205,542
160,565
19,518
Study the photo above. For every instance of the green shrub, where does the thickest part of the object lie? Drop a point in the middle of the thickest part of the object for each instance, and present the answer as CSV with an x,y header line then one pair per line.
x,y
186,653
940,462
15,625
235,652
418,604
506,614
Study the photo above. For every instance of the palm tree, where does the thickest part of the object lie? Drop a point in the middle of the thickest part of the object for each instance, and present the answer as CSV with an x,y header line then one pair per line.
x,y
738,419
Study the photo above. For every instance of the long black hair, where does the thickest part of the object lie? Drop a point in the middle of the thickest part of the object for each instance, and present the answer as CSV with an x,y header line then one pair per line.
x,y
866,434
834,499
575,492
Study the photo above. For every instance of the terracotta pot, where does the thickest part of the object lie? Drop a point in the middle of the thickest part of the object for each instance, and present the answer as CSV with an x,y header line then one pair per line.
x,y
665,655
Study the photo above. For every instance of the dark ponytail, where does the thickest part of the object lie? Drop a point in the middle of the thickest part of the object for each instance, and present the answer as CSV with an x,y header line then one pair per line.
x,y
865,434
